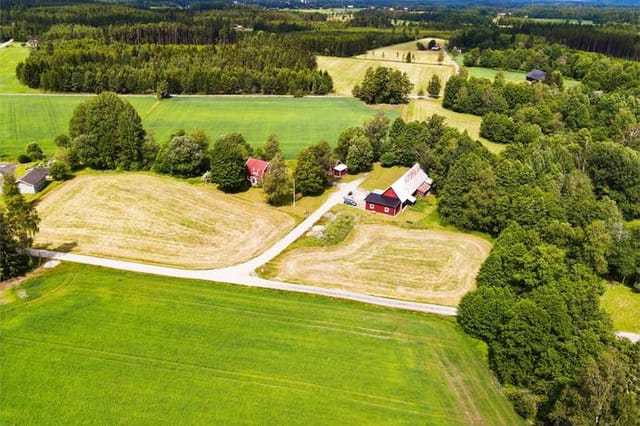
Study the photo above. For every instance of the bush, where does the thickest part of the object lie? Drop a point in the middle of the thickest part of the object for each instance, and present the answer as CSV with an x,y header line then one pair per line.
x,y
34,151
60,171
524,402
24,158
338,230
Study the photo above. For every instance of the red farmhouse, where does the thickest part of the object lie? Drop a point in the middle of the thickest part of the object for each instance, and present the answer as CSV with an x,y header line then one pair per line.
x,y
401,193
256,169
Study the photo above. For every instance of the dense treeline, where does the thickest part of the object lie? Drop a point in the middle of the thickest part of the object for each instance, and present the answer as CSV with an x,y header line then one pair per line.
x,y
618,41
20,23
344,44
266,64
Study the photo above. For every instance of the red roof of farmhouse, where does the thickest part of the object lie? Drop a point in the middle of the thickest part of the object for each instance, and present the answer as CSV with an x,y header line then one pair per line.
x,y
256,167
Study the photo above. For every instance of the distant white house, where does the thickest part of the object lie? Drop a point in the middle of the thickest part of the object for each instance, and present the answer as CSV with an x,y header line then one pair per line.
x,y
33,181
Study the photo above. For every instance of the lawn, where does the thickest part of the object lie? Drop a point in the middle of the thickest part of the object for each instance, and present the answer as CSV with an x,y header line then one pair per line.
x,y
432,266
96,346
297,122
10,57
624,307
157,219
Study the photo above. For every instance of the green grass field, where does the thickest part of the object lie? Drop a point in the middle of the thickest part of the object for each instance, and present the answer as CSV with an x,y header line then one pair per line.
x,y
297,122
96,346
624,307
10,57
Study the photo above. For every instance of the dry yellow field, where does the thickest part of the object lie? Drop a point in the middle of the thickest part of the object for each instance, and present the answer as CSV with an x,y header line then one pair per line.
x,y
347,72
156,219
384,260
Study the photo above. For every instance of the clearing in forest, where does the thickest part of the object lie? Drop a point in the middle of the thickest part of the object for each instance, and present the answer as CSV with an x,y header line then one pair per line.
x,y
91,345
347,72
384,260
156,219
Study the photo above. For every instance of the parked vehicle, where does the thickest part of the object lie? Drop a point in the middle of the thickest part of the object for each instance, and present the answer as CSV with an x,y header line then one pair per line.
x,y
350,201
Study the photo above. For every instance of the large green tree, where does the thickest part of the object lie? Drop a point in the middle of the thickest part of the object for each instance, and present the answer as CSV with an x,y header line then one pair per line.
x,y
384,85
277,185
112,131
228,157
183,156
19,223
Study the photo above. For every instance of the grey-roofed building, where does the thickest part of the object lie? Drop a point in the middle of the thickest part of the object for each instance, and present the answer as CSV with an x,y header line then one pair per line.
x,y
535,76
33,181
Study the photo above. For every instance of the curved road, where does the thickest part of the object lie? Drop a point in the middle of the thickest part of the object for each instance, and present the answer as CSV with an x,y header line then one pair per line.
x,y
243,274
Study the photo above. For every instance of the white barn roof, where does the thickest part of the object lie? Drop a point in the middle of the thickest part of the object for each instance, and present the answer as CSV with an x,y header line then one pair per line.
x,y
409,183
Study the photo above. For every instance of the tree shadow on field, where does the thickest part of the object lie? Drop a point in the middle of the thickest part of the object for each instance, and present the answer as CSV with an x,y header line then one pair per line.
x,y
64,247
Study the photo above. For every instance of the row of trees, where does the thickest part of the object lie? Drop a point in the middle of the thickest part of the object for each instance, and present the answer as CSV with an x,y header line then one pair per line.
x,y
266,64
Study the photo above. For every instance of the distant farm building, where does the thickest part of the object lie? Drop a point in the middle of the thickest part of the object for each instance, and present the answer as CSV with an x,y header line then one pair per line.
x,y
403,192
33,181
256,168
339,170
535,76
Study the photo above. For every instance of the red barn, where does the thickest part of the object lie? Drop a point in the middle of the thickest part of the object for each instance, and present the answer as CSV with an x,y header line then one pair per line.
x,y
256,168
401,193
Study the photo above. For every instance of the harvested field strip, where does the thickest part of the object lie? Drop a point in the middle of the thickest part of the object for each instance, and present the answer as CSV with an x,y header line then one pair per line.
x,y
384,260
193,352
156,219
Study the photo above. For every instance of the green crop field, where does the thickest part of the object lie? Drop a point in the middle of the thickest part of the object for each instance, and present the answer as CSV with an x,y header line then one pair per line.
x,y
96,346
297,122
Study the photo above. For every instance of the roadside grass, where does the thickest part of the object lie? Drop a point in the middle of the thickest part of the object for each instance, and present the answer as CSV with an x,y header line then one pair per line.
x,y
156,219
296,122
421,109
10,57
92,345
624,307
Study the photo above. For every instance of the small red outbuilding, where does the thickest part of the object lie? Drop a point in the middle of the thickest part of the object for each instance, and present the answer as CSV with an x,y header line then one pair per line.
x,y
256,168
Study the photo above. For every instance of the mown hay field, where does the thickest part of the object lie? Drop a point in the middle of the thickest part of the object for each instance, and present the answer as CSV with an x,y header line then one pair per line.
x,y
384,260
96,346
156,219
296,122
347,72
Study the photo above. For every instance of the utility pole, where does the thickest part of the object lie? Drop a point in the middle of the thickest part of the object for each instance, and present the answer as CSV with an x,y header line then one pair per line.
x,y
294,193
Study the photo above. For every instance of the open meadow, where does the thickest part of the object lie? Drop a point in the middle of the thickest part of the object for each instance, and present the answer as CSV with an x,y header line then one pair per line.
x,y
94,346
155,219
347,72
384,260
10,57
623,305
297,122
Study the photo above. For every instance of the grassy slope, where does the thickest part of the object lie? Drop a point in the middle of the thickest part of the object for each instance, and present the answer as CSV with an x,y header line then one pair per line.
x,y
100,346
624,307
10,57
297,122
